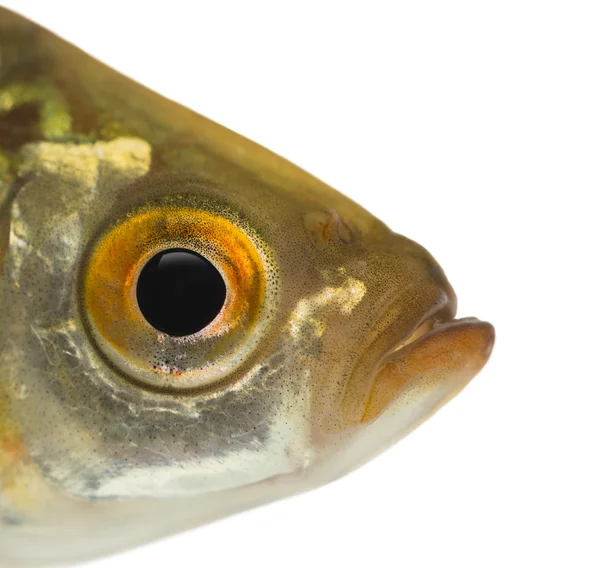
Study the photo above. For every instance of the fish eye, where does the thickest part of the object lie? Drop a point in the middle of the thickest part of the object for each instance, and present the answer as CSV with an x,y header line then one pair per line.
x,y
180,292
176,297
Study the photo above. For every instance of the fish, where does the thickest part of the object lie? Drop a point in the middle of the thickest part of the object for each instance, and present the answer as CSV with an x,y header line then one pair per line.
x,y
192,326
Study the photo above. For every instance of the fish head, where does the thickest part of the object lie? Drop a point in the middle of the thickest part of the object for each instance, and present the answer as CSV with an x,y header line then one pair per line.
x,y
312,338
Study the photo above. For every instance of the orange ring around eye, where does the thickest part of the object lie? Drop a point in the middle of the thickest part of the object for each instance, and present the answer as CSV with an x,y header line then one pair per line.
x,y
128,339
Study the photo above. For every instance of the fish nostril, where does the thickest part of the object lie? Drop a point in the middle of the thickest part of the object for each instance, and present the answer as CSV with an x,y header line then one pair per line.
x,y
180,292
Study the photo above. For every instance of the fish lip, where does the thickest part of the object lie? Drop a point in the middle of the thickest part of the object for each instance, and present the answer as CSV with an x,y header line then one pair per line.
x,y
387,343
437,360
443,316
432,326
442,312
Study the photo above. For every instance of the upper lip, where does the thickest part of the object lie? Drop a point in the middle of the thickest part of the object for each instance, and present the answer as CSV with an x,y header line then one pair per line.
x,y
440,314
426,327
423,328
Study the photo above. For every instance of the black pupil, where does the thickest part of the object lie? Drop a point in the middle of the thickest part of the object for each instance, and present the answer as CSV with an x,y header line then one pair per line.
x,y
180,292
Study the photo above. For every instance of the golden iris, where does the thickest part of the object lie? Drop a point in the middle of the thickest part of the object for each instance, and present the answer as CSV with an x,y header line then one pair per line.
x,y
124,334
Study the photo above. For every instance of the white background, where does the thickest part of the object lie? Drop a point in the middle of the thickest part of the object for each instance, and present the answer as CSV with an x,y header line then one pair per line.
x,y
472,127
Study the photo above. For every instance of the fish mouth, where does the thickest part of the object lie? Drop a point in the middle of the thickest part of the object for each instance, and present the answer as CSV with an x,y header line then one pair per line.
x,y
430,365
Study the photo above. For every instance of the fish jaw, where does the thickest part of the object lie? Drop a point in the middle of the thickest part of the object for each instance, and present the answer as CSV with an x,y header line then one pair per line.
x,y
411,383
420,376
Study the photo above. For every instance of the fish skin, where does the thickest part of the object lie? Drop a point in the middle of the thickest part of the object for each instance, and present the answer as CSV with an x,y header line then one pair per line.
x,y
352,343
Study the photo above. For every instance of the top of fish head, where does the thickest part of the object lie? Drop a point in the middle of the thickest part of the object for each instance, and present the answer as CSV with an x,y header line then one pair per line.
x,y
187,317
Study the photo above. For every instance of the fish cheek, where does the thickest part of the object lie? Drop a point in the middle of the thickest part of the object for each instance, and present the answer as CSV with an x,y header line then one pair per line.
x,y
45,213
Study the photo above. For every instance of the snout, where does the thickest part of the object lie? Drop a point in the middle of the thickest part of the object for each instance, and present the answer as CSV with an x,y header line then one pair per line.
x,y
418,356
